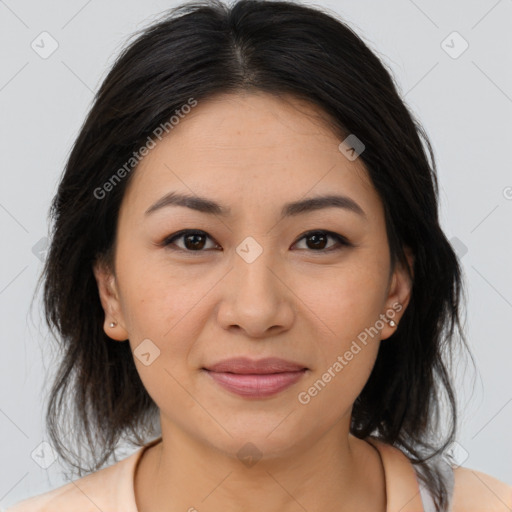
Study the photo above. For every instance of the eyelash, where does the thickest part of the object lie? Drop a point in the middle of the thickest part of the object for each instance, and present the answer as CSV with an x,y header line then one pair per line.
x,y
341,241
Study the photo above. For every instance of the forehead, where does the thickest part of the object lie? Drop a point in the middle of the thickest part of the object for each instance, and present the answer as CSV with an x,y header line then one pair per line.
x,y
247,148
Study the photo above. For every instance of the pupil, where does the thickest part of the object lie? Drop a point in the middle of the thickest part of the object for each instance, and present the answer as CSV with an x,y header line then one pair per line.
x,y
315,237
194,244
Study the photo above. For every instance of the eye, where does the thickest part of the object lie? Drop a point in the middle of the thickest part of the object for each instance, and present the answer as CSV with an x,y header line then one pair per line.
x,y
319,238
194,240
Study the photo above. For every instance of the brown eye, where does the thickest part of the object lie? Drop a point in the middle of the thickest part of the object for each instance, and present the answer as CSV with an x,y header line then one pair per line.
x,y
193,241
318,241
196,241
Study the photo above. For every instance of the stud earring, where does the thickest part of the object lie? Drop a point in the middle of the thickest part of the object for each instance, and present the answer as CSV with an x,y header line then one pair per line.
x,y
113,324
392,323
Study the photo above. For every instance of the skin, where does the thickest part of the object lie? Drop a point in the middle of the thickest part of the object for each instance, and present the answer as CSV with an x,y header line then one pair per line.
x,y
253,152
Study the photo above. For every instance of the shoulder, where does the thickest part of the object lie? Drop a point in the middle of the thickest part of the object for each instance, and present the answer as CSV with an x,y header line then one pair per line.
x,y
476,491
65,497
105,489
473,491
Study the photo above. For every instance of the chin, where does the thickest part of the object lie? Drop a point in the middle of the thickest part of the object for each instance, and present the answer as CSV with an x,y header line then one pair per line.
x,y
266,440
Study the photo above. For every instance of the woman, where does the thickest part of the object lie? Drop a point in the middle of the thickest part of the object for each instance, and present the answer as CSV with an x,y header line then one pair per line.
x,y
247,263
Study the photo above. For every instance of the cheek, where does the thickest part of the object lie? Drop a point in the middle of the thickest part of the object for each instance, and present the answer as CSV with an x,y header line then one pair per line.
x,y
170,308
332,390
156,295
348,339
347,299
346,311
168,313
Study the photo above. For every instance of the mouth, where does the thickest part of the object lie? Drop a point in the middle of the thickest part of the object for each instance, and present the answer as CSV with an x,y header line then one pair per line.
x,y
245,365
255,379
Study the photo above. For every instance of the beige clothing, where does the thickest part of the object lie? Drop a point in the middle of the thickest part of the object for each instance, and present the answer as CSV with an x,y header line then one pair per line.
x,y
111,489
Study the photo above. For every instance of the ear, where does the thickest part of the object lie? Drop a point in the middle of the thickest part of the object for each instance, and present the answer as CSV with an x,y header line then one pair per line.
x,y
399,294
109,298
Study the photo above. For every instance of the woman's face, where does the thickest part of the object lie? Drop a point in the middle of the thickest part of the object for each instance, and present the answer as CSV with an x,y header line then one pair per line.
x,y
252,283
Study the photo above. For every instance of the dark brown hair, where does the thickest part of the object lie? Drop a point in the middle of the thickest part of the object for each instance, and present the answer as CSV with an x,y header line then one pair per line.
x,y
198,50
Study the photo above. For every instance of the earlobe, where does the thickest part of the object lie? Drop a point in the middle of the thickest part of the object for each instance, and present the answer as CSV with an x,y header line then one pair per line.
x,y
109,298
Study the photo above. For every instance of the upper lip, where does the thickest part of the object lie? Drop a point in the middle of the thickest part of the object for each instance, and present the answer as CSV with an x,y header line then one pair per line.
x,y
261,366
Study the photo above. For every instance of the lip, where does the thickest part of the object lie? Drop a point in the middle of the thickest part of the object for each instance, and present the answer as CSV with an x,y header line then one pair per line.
x,y
256,385
244,365
256,379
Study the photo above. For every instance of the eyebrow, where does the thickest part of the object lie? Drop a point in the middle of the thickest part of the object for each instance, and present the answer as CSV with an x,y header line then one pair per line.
x,y
204,205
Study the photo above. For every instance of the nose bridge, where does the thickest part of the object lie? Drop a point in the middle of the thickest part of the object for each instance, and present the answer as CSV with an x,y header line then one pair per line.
x,y
257,300
253,264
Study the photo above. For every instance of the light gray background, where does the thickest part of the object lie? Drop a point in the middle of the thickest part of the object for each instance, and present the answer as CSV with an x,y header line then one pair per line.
x,y
465,104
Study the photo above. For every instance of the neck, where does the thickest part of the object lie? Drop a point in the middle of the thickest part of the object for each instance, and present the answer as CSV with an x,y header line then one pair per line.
x,y
335,473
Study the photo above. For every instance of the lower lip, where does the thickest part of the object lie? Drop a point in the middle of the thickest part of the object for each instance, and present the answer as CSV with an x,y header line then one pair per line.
x,y
256,386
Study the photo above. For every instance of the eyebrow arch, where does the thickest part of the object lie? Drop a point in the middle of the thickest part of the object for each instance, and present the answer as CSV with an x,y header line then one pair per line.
x,y
294,208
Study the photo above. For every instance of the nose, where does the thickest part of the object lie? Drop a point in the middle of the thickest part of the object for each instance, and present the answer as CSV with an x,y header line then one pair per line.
x,y
256,298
